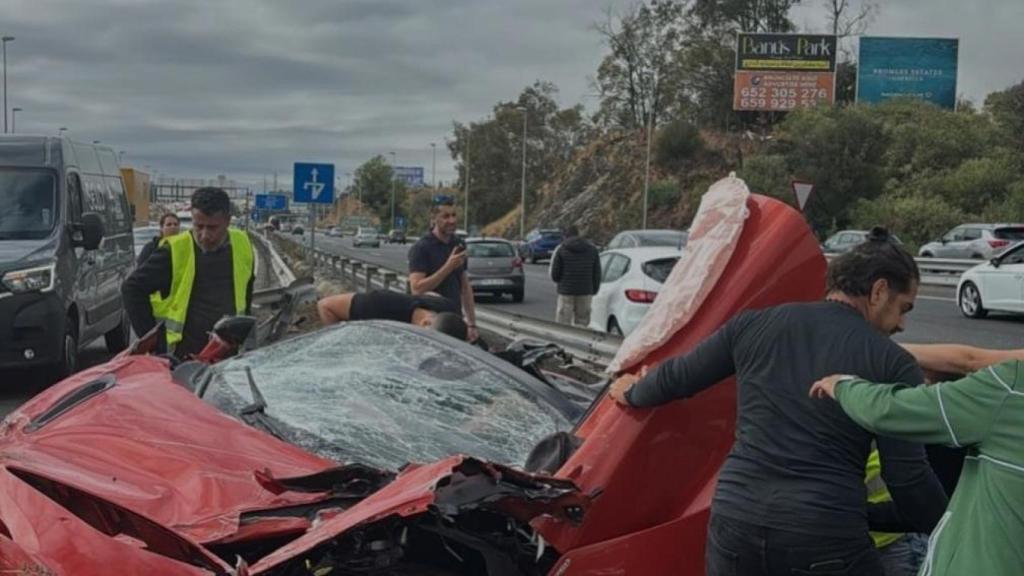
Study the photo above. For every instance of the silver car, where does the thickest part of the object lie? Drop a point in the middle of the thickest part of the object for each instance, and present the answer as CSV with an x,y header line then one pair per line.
x,y
494,267
366,237
980,241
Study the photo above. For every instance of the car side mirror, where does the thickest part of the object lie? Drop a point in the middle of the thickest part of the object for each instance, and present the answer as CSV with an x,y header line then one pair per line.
x,y
88,233
234,329
995,262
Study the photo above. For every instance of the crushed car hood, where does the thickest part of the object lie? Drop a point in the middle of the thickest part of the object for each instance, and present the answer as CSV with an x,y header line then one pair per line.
x,y
139,473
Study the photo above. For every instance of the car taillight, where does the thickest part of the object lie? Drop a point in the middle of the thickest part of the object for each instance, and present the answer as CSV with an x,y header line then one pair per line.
x,y
998,243
641,296
517,263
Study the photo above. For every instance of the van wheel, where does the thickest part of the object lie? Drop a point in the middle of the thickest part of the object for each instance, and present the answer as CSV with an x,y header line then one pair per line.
x,y
613,327
517,296
119,338
68,363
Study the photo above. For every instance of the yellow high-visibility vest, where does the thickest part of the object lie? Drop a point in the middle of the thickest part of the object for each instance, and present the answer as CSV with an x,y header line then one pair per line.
x,y
878,492
172,310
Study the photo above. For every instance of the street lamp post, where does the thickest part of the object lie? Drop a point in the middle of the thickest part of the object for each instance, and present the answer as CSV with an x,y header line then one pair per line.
x,y
392,189
466,161
14,123
4,42
522,193
433,167
647,170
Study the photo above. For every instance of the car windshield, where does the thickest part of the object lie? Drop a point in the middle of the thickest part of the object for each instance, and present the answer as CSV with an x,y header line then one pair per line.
x,y
490,250
551,234
1014,234
665,238
385,394
28,200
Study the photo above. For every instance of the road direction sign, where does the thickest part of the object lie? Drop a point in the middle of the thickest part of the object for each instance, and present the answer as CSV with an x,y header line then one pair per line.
x,y
314,183
271,201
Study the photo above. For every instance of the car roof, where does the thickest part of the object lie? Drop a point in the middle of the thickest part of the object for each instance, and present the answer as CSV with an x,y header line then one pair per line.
x,y
646,252
654,231
486,239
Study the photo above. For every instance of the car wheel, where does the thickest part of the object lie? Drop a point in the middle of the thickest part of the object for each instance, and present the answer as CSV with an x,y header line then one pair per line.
x,y
517,296
927,255
68,363
119,338
970,301
613,327
977,257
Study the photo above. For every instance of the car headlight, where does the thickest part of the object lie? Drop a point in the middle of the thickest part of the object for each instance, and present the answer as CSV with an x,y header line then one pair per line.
x,y
30,279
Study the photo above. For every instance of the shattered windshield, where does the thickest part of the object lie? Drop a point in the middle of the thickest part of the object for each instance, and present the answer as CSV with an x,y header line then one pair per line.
x,y
385,394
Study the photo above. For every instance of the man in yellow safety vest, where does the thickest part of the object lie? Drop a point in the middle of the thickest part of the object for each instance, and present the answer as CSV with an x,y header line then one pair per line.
x,y
201,275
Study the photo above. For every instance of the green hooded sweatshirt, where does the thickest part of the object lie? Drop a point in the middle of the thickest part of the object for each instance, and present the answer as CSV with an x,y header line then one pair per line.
x,y
982,531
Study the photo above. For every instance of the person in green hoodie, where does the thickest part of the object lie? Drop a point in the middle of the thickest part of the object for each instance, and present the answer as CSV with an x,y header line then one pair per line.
x,y
983,412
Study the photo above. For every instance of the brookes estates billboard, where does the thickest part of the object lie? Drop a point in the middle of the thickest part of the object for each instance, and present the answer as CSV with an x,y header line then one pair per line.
x,y
779,72
923,68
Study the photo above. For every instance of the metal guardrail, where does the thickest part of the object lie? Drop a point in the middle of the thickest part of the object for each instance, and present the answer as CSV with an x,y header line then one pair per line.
x,y
594,347
939,271
586,345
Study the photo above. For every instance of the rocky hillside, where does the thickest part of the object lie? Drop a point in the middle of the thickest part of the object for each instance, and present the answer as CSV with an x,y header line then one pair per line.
x,y
600,189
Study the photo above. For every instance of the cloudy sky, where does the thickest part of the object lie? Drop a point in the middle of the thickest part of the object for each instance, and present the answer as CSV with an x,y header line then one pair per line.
x,y
196,88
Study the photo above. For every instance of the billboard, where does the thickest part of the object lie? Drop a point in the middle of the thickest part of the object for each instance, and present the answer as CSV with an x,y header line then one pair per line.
x,y
924,68
780,72
411,175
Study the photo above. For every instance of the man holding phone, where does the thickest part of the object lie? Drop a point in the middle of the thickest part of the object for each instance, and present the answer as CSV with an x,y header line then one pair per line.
x,y
437,263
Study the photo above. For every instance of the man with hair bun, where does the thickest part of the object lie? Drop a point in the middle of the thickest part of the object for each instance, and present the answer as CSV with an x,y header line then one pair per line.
x,y
790,496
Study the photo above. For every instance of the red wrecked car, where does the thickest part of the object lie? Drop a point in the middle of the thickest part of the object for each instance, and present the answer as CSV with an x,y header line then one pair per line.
x,y
132,468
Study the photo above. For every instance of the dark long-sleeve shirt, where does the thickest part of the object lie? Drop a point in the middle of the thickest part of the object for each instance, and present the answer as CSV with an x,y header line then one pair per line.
x,y
797,463
213,294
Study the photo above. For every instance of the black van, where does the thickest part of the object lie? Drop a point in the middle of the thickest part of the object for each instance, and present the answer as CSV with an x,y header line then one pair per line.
x,y
66,245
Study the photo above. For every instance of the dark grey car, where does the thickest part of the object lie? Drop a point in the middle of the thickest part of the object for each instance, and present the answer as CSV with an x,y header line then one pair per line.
x,y
495,268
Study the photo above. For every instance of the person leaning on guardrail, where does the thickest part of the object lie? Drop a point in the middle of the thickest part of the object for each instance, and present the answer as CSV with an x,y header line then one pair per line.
x,y
790,496
427,310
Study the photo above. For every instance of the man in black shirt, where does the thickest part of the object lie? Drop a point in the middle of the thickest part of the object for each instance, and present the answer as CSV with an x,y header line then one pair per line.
x,y
429,311
437,263
790,497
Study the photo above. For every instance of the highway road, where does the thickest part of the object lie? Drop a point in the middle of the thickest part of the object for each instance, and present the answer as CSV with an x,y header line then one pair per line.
x,y
935,317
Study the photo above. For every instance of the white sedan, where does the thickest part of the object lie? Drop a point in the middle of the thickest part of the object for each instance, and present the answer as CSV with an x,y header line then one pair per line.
x,y
997,285
630,280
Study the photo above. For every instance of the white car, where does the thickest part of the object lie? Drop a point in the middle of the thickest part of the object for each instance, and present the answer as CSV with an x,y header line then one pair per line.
x,y
630,280
997,285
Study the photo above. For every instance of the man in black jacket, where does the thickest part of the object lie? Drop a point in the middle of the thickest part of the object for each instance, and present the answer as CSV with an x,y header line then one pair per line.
x,y
576,268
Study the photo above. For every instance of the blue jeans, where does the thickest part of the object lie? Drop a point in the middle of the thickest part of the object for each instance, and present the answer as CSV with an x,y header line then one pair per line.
x,y
737,548
904,556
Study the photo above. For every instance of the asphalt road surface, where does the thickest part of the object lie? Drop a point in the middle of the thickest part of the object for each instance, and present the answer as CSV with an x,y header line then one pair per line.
x,y
935,317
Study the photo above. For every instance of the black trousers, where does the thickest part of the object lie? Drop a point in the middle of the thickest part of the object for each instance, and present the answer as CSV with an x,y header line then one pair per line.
x,y
737,548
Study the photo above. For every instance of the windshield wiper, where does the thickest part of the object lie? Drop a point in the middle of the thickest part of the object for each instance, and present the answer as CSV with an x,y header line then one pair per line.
x,y
255,413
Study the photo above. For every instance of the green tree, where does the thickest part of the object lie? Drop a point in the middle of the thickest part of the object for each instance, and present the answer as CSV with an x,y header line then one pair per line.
x,y
747,15
1007,110
495,148
638,77
916,218
373,184
838,150
678,143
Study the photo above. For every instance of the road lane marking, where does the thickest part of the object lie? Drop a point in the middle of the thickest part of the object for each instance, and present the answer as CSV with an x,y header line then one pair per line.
x,y
937,298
